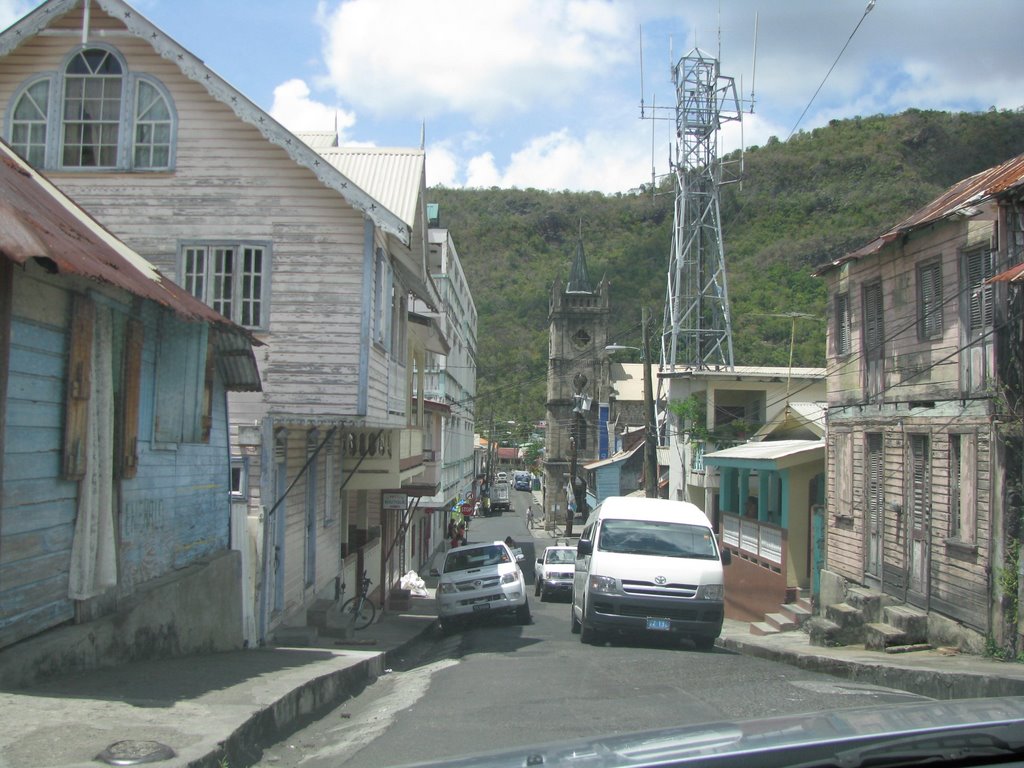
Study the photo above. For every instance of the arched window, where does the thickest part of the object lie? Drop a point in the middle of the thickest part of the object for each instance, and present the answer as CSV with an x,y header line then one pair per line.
x,y
28,124
93,114
152,148
93,82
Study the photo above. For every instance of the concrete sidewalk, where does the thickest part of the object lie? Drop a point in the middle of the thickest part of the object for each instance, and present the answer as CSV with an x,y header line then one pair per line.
x,y
230,705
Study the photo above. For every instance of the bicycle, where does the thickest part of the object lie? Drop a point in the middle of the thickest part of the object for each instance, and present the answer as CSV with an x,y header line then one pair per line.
x,y
360,607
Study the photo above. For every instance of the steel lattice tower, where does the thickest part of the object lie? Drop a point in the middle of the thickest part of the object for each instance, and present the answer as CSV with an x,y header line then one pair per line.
x,y
698,329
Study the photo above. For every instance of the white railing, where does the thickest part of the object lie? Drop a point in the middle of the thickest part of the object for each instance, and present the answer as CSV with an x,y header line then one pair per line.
x,y
761,539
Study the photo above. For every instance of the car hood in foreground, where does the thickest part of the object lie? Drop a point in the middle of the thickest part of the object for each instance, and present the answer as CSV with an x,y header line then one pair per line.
x,y
975,731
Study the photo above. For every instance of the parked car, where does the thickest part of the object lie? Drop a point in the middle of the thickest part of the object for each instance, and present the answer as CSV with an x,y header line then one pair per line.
x,y
522,481
501,477
649,565
481,580
555,571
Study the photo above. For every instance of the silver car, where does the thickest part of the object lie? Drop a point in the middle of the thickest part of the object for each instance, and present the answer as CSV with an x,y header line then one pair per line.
x,y
481,580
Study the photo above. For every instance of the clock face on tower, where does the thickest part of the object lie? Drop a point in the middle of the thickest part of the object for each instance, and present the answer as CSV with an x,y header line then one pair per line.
x,y
581,338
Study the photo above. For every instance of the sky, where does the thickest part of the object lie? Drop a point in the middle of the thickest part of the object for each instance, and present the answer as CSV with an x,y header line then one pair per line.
x,y
547,93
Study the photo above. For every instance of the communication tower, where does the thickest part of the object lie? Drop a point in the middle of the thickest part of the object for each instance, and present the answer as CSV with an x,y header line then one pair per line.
x,y
697,331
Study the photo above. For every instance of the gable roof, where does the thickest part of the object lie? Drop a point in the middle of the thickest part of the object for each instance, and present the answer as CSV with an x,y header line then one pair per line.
x,y
193,68
959,200
39,222
393,176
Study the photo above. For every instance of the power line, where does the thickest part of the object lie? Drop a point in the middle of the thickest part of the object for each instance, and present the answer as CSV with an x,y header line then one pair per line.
x,y
871,4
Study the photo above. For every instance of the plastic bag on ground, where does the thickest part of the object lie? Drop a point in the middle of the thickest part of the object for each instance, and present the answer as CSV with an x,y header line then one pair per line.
x,y
414,584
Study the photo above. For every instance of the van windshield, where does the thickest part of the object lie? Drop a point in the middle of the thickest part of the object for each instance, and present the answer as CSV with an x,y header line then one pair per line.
x,y
646,537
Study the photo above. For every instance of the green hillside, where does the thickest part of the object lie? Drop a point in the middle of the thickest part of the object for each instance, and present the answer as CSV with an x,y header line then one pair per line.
x,y
802,202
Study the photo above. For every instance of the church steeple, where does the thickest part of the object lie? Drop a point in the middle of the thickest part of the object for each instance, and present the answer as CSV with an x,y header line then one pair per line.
x,y
579,279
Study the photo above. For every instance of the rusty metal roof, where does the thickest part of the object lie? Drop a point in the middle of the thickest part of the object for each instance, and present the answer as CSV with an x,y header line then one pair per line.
x,y
958,199
39,222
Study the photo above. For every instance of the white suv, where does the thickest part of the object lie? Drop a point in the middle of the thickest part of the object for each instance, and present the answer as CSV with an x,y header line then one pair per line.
x,y
481,580
555,571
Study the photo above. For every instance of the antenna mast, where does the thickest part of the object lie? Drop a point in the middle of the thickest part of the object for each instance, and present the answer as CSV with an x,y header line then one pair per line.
x,y
697,329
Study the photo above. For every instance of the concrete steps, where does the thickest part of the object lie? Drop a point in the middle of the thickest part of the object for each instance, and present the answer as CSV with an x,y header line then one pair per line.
x,y
789,617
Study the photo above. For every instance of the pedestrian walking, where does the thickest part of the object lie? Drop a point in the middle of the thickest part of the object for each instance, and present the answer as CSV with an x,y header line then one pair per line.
x,y
529,517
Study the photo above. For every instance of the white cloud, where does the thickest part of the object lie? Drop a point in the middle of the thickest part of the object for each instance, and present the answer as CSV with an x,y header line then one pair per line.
x,y
482,172
441,166
296,111
481,59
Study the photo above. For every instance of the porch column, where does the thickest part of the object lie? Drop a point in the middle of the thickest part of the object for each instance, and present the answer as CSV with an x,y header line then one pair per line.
x,y
764,494
784,479
728,489
742,491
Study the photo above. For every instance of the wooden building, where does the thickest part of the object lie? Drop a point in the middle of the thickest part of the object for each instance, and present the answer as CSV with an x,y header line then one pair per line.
x,y
924,460
114,526
316,250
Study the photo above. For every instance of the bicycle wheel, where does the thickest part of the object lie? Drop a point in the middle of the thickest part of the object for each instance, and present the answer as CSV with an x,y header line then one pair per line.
x,y
362,612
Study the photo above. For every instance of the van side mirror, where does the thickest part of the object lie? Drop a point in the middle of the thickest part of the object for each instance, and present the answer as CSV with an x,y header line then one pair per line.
x,y
726,556
584,547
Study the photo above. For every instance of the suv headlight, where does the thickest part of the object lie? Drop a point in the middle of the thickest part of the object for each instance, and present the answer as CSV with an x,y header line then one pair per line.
x,y
509,578
711,592
446,587
603,584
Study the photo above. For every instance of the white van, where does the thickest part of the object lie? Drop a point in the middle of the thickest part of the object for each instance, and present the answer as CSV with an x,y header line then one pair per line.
x,y
649,565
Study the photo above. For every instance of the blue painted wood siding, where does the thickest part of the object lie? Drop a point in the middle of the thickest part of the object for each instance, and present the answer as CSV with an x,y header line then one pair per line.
x,y
173,513
38,516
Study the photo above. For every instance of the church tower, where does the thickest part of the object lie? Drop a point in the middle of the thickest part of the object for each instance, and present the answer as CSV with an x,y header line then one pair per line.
x,y
578,381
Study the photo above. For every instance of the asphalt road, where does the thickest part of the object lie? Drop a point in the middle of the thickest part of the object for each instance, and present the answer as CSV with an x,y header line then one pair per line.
x,y
498,685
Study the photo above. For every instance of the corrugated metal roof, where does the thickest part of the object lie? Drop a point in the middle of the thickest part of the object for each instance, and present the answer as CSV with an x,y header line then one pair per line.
x,y
392,176
319,139
958,199
765,450
38,221
752,371
1014,274
615,458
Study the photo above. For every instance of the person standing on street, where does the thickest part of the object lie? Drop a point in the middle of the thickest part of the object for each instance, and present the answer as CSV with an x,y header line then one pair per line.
x,y
529,516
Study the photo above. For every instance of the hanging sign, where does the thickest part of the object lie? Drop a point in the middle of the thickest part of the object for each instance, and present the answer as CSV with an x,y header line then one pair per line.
x,y
394,500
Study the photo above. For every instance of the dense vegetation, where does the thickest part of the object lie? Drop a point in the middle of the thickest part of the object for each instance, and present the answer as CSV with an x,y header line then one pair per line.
x,y
802,202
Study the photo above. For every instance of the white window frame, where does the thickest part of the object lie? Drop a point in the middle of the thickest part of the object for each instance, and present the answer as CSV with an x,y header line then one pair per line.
x,y
45,148
239,481
201,264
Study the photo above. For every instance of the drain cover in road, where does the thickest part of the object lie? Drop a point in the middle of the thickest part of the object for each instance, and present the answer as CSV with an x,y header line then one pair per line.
x,y
135,752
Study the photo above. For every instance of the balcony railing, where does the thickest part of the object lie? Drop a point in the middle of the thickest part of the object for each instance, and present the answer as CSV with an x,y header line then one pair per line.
x,y
763,540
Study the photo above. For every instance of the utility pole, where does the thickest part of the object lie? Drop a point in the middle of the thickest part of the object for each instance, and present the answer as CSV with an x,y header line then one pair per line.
x,y
572,477
650,436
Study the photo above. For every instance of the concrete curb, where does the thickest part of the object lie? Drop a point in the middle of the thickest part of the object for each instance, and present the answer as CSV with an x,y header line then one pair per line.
x,y
944,685
300,707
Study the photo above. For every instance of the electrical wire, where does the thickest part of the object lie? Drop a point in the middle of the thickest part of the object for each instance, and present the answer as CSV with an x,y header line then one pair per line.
x,y
871,4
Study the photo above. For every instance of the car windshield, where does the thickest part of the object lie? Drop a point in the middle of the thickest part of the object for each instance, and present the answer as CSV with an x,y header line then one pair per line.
x,y
645,537
560,556
465,559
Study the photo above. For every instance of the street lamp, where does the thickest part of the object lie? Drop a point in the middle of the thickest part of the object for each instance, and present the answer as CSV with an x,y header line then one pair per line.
x,y
650,438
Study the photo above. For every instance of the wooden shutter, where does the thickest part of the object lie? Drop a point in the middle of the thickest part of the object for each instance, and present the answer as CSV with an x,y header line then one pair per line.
x,y
842,324
979,269
874,330
930,310
78,381
875,480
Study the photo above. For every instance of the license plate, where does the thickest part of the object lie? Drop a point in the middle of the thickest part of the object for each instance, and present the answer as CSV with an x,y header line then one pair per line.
x,y
659,624
482,607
